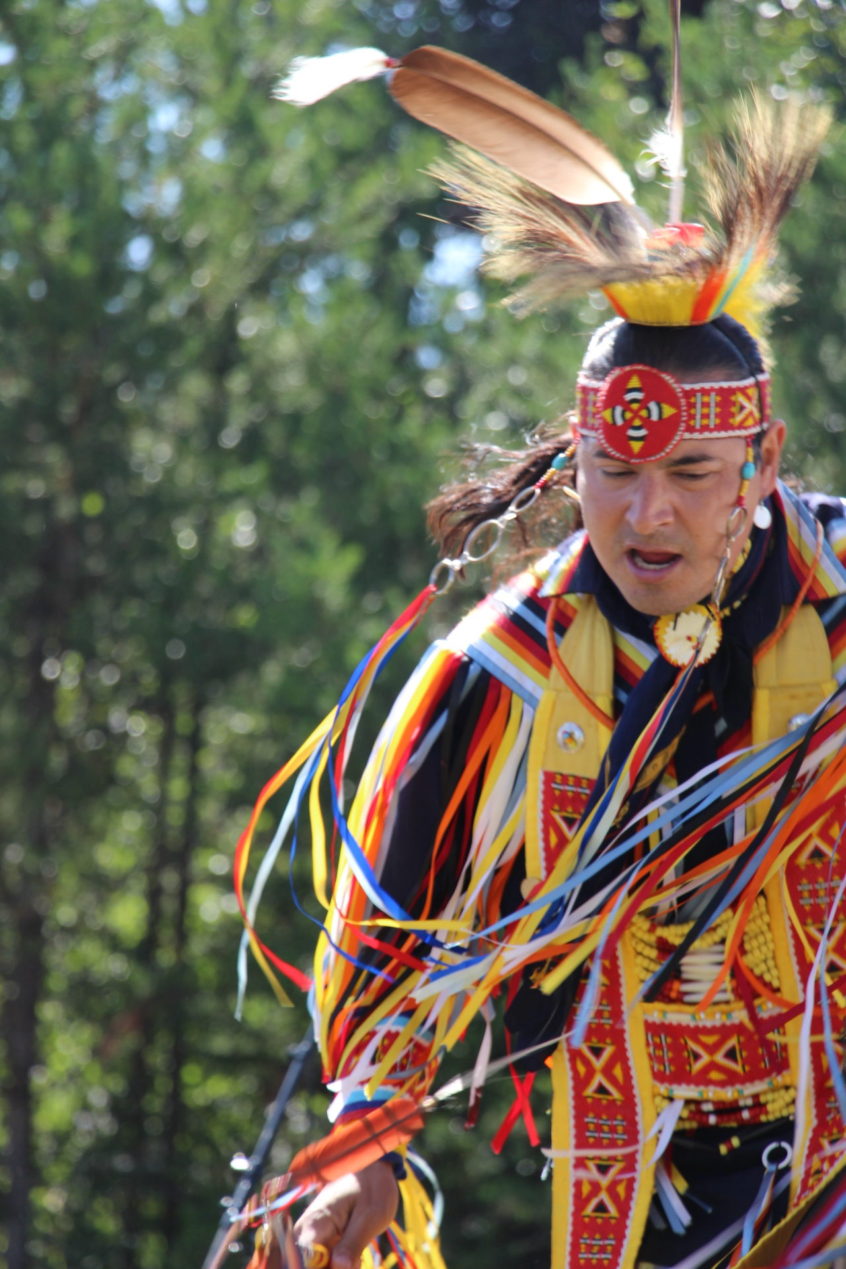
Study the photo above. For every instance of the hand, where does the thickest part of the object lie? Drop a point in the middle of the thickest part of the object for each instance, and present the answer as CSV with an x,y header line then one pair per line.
x,y
349,1213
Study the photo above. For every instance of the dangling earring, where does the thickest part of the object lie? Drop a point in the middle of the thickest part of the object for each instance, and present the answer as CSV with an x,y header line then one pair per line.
x,y
762,517
561,460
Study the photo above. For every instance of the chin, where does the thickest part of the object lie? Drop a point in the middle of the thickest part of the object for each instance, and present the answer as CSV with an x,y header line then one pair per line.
x,y
667,595
654,603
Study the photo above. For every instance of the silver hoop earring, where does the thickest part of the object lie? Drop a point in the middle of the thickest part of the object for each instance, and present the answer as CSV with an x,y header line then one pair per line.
x,y
762,517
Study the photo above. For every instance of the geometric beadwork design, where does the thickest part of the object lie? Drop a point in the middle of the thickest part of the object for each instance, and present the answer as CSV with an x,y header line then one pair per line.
x,y
639,414
716,1061
605,1133
813,877
563,800
733,1062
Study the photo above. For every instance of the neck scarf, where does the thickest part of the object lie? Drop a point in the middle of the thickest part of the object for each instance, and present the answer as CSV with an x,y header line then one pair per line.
x,y
718,696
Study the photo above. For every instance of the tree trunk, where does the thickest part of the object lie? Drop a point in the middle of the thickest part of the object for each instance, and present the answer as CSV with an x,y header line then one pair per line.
x,y
26,975
142,1180
183,857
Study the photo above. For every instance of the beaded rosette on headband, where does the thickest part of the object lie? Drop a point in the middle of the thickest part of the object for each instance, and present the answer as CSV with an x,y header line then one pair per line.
x,y
639,413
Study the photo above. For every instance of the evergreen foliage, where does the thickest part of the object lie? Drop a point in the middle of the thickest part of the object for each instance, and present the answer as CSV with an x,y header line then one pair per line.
x,y
238,342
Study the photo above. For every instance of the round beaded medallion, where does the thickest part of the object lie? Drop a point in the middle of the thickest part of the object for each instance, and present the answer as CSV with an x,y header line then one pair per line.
x,y
677,635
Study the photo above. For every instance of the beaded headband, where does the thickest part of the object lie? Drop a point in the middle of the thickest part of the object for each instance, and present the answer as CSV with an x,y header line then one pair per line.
x,y
641,414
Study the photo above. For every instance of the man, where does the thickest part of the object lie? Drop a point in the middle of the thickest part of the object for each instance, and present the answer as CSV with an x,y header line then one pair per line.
x,y
657,533
613,799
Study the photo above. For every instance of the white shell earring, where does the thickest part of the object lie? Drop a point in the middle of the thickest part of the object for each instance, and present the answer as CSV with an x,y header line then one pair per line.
x,y
762,517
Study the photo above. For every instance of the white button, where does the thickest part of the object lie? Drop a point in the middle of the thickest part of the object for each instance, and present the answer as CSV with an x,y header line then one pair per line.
x,y
798,720
570,737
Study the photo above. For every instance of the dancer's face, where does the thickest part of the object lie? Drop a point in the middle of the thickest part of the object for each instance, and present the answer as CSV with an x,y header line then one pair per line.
x,y
659,528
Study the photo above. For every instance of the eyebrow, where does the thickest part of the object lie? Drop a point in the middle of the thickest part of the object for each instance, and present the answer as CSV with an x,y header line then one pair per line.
x,y
683,460
692,460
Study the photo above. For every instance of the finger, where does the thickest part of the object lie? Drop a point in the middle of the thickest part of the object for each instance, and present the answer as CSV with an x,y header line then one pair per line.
x,y
318,1227
349,1213
347,1253
366,1221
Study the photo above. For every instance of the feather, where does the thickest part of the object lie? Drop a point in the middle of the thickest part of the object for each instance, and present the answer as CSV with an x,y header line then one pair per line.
x,y
661,148
674,148
665,148
562,250
351,1146
679,275
510,125
310,79
753,179
470,103
751,183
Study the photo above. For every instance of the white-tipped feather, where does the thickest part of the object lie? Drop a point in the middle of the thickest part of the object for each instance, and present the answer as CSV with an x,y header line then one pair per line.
x,y
559,209
309,79
510,125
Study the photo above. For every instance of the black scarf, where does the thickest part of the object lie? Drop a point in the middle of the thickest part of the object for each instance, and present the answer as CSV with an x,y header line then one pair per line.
x,y
751,610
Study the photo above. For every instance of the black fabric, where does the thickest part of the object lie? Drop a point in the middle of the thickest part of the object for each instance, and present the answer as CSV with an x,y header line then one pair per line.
x,y
721,1189
421,803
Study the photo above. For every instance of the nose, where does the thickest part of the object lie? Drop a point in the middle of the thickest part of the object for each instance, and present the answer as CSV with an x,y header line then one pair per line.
x,y
650,504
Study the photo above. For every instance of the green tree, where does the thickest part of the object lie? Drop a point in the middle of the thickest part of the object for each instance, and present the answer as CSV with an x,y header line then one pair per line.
x,y
236,355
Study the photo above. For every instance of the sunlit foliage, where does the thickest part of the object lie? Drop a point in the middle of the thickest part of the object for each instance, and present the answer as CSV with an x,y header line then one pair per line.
x,y
239,343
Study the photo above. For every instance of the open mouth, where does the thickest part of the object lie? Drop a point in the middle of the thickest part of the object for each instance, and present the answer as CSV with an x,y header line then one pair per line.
x,y
652,561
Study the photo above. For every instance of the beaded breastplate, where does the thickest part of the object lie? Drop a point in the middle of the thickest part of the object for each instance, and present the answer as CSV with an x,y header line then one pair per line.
x,y
755,1052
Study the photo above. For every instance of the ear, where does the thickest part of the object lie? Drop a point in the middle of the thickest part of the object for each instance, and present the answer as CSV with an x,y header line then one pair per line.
x,y
771,447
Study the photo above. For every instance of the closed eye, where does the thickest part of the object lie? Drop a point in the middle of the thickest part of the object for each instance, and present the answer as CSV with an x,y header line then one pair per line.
x,y
693,474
